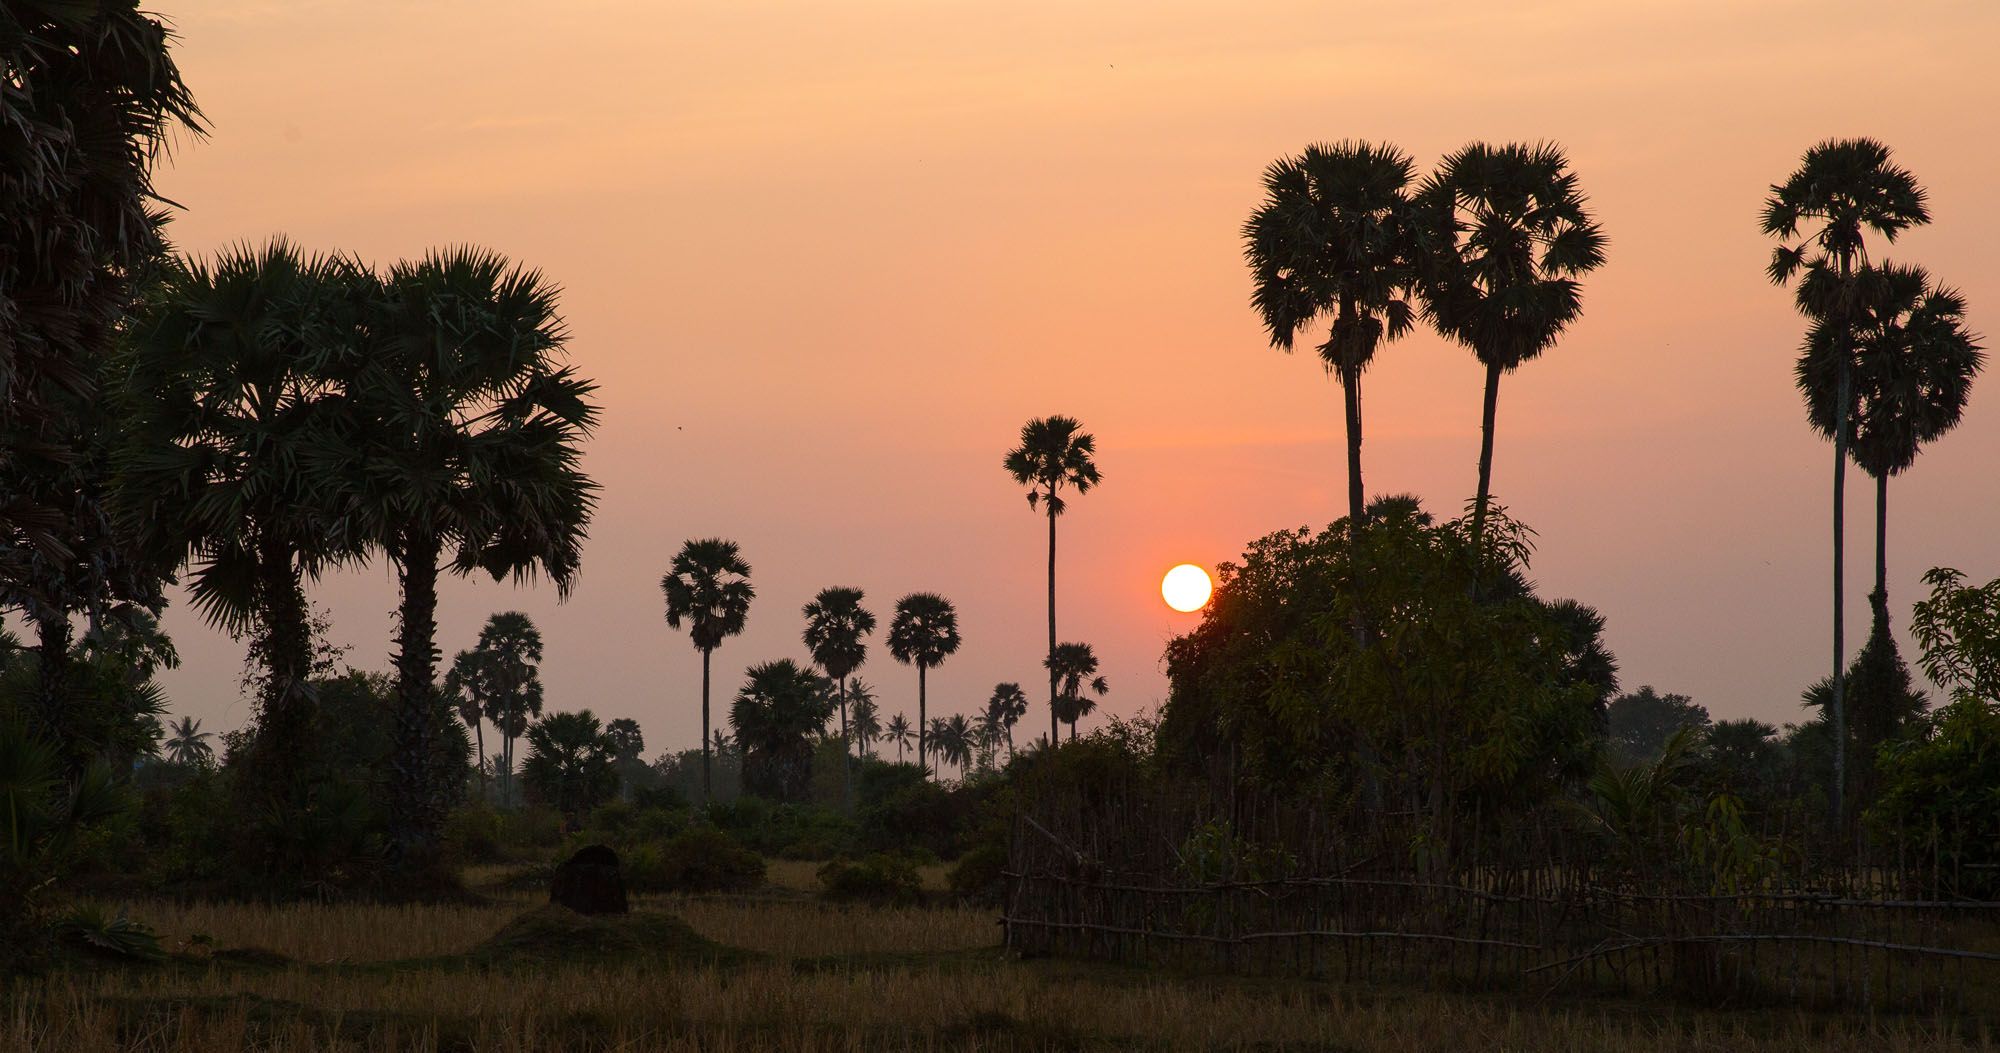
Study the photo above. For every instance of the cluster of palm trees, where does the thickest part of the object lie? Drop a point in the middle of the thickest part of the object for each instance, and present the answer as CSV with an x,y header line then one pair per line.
x,y
708,593
499,682
1887,363
286,413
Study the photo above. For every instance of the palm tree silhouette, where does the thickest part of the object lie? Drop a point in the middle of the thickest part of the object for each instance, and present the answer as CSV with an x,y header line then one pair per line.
x,y
1911,373
952,739
899,732
188,744
1503,239
777,711
1005,708
1841,189
836,624
466,453
1075,667
923,633
1331,241
1054,453
708,589
506,666
866,721
465,684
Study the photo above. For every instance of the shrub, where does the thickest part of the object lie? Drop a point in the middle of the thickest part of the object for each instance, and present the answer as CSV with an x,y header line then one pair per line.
x,y
978,876
874,879
699,859
472,835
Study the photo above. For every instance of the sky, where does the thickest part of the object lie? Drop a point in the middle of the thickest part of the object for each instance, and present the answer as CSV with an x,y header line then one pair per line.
x,y
826,258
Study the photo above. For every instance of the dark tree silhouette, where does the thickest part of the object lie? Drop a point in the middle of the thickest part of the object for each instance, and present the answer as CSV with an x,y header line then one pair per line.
x,y
503,669
1842,189
1055,453
779,709
1004,709
1504,240
569,764
923,633
836,628
708,589
1331,243
1075,669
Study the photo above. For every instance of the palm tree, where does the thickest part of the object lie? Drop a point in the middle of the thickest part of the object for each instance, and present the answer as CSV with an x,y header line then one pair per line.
x,y
1005,708
188,744
507,659
1075,666
866,722
1843,188
465,684
230,401
780,707
569,764
836,624
952,739
924,633
899,732
1911,372
1504,240
1054,453
1331,242
465,452
708,588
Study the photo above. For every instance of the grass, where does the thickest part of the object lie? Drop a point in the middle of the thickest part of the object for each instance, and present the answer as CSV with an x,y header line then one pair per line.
x,y
784,972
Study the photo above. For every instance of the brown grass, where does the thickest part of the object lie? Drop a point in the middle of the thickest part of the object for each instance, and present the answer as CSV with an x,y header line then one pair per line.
x,y
826,979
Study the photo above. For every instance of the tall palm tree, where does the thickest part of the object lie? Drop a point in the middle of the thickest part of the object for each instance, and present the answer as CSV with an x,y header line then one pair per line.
x,y
188,744
465,452
1005,708
508,660
1911,370
899,732
708,589
1331,242
230,400
1842,189
1055,454
952,740
1504,239
866,722
836,627
1075,667
923,633
779,709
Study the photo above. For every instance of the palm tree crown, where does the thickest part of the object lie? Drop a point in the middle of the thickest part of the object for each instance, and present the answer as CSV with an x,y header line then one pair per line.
x,y
1842,189
1075,667
708,590
923,633
777,711
188,744
1331,241
836,628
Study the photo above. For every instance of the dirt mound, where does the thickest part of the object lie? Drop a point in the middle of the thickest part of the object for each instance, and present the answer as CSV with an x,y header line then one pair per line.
x,y
558,934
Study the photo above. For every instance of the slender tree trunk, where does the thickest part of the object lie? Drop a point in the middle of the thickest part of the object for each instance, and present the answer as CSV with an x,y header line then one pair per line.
x,y
923,727
479,739
286,720
1486,455
1880,597
1055,731
1845,394
417,813
1357,505
707,779
846,753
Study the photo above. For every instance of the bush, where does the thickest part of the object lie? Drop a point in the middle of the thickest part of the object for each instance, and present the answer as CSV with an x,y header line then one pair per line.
x,y
978,876
788,831
472,835
874,879
699,859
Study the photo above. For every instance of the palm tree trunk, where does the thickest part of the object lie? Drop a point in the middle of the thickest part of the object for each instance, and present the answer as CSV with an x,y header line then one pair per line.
x,y
1880,597
846,753
52,662
1357,506
285,723
923,728
1055,731
1485,455
1839,707
417,814
707,779
479,737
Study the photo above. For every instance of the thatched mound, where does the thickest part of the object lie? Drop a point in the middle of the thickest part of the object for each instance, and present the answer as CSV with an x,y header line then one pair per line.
x,y
554,933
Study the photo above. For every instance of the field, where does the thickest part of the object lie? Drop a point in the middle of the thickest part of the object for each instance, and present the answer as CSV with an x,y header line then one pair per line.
x,y
780,970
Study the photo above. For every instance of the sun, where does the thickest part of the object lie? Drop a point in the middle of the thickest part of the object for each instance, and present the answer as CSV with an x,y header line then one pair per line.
x,y
1186,588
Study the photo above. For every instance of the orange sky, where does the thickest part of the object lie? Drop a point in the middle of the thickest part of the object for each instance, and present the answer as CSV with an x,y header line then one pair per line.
x,y
825,258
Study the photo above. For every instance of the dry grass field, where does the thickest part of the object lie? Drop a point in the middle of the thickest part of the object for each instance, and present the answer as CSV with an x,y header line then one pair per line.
x,y
781,971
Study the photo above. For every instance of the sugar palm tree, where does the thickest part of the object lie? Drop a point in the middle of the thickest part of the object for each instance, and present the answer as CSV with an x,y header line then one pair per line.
x,y
1075,667
1055,454
229,401
1911,371
836,627
779,709
188,744
899,733
570,764
507,664
466,458
465,686
708,589
1331,243
923,633
1504,240
1005,708
866,720
1841,190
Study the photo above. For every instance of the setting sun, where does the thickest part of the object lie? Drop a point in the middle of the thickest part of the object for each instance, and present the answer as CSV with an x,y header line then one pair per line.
x,y
1186,588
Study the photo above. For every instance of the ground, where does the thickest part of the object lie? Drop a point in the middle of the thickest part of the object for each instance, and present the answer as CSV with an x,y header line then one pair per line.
x,y
779,970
